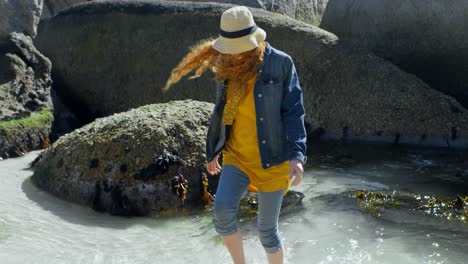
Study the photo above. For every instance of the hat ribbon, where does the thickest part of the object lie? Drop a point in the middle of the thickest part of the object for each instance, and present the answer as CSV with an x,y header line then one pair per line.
x,y
239,33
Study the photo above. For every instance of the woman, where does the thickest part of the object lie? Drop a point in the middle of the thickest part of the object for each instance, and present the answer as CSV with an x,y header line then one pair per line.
x,y
257,124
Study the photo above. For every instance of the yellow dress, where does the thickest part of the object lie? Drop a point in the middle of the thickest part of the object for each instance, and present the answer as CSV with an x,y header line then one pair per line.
x,y
241,148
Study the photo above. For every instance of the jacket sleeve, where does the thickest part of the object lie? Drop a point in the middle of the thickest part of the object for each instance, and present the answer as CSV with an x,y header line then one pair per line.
x,y
292,111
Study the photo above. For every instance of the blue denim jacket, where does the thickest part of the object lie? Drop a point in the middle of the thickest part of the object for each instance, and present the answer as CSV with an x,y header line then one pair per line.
x,y
279,107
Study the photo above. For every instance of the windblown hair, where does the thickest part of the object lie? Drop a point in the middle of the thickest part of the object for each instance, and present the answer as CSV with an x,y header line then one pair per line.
x,y
203,56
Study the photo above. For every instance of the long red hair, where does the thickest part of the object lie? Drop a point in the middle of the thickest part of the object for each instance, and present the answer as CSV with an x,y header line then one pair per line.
x,y
203,56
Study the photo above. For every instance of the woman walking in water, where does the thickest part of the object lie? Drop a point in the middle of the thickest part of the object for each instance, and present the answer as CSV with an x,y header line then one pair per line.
x,y
257,124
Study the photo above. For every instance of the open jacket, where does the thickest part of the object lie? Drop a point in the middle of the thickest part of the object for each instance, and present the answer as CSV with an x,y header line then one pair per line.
x,y
279,107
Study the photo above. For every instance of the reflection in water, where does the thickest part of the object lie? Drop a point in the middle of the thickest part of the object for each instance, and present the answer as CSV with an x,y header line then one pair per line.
x,y
36,227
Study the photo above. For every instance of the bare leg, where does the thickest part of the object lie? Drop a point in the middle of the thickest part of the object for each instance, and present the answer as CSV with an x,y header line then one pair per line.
x,y
233,243
276,258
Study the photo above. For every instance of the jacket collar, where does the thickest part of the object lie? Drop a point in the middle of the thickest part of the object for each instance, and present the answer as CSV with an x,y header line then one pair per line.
x,y
266,56
267,48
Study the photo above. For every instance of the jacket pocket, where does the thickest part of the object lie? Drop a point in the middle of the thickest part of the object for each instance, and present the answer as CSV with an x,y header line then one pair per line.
x,y
273,127
272,92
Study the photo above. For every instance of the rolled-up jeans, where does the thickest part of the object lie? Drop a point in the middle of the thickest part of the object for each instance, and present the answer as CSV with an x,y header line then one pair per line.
x,y
232,184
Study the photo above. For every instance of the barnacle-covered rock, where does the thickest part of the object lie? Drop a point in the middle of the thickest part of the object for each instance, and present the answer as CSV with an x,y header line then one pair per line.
x,y
144,161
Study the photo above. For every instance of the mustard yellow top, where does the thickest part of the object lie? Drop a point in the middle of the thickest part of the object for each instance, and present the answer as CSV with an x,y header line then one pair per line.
x,y
241,148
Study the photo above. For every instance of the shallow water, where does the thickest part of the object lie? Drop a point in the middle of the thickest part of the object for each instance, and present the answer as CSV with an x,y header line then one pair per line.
x,y
36,227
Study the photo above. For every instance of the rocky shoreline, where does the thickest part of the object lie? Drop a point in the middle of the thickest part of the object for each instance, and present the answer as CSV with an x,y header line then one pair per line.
x,y
73,85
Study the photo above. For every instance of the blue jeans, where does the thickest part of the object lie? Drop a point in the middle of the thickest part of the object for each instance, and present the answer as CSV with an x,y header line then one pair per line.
x,y
232,184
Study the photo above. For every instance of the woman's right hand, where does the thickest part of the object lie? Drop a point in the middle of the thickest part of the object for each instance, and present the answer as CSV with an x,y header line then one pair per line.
x,y
213,166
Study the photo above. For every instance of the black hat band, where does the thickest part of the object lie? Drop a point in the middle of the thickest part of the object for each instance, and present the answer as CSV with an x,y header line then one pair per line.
x,y
239,33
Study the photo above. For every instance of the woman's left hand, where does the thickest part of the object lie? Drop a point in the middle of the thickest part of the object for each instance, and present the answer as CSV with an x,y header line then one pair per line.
x,y
295,168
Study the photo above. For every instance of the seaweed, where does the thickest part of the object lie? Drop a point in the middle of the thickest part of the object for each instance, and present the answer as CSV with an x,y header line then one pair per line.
x,y
454,209
179,185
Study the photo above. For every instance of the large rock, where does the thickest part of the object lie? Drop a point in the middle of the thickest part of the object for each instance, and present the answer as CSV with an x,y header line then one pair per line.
x,y
25,98
310,11
131,163
103,70
428,38
112,56
20,16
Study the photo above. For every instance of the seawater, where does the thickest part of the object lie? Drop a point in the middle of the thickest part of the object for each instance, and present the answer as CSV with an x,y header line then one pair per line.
x,y
36,227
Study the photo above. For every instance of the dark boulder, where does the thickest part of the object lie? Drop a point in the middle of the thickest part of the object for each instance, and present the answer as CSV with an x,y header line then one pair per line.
x,y
111,56
428,38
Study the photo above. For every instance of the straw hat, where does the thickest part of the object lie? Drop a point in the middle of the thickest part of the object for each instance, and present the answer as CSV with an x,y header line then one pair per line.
x,y
238,31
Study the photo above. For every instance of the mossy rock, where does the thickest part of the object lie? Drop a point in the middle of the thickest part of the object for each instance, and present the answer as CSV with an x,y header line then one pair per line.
x,y
137,162
18,136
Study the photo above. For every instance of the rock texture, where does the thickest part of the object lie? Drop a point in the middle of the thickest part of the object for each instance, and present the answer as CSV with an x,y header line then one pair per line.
x,y
428,38
348,93
130,163
25,78
25,99
354,97
310,11
20,16
52,7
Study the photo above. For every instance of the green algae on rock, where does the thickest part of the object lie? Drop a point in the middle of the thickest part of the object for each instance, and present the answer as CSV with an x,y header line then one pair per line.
x,y
42,119
125,163
21,135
